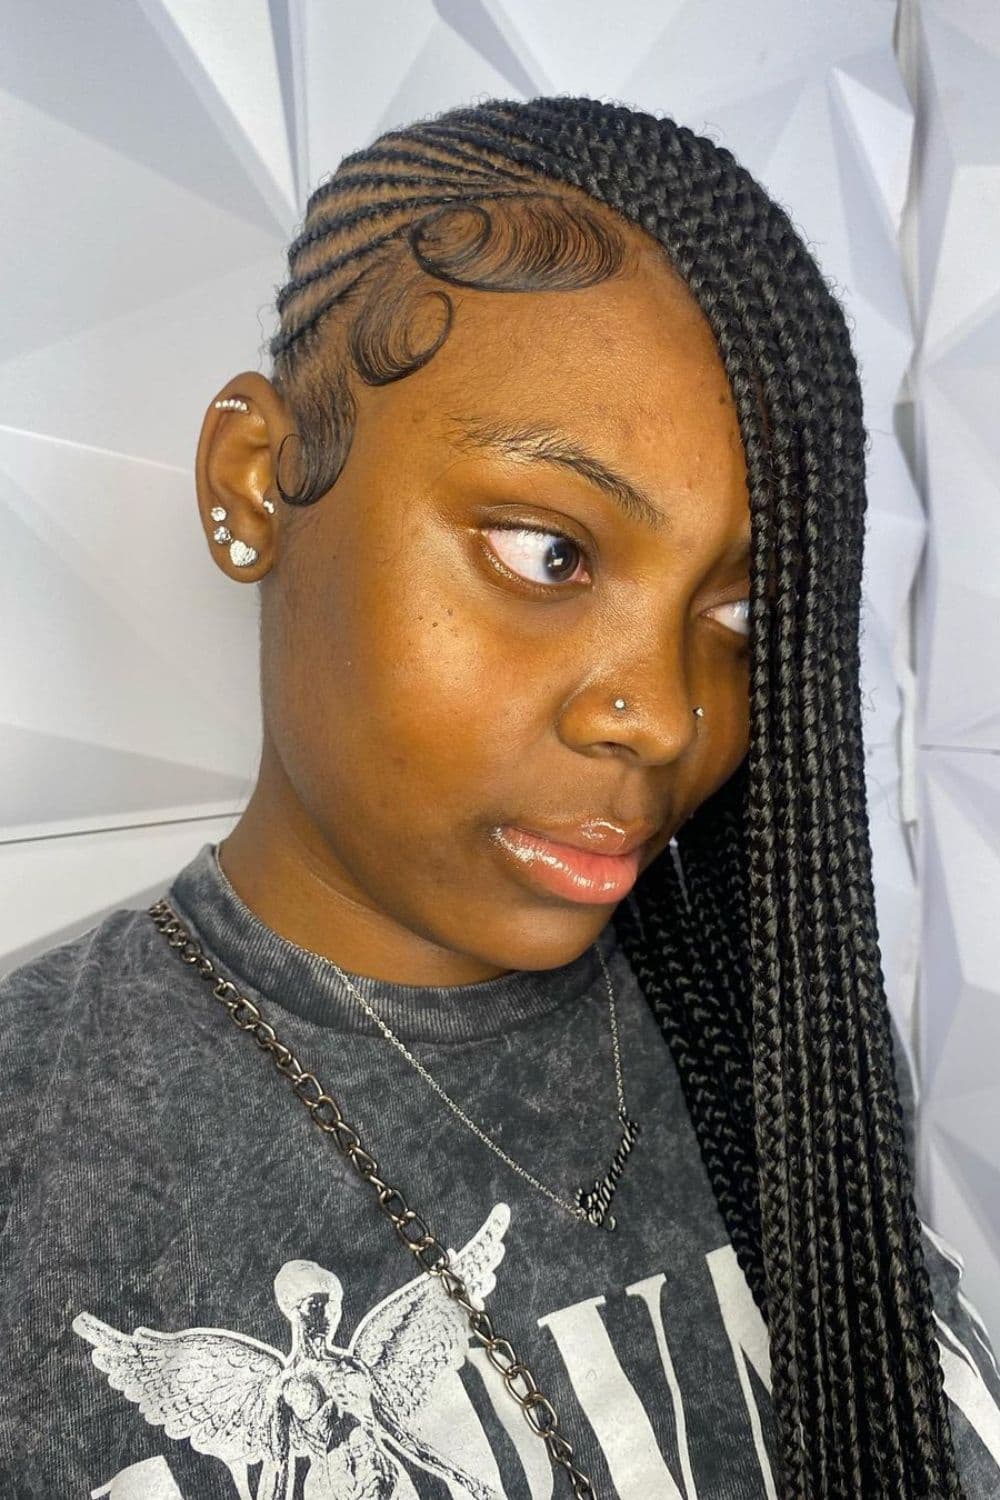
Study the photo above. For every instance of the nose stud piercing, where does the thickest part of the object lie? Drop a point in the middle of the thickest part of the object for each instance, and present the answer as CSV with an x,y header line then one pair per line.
x,y
620,704
231,403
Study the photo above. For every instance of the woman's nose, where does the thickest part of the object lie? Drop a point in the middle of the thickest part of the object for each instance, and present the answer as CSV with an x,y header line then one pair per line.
x,y
657,725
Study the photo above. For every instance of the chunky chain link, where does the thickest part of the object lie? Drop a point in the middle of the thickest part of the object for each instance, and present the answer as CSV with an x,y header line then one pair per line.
x,y
410,1227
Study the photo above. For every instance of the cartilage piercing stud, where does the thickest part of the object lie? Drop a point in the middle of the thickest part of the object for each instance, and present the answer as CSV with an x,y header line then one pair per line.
x,y
218,512
699,712
269,506
231,403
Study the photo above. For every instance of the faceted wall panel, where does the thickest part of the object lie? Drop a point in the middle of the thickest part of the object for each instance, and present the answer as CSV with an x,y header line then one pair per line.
x,y
152,187
952,53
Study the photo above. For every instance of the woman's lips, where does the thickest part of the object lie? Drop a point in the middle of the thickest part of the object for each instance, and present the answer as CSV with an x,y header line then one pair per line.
x,y
575,874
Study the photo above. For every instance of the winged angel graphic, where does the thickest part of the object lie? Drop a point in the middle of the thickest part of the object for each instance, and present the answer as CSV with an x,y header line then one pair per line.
x,y
351,1411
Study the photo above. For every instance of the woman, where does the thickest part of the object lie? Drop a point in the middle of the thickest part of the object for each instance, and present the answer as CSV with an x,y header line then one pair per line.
x,y
552,901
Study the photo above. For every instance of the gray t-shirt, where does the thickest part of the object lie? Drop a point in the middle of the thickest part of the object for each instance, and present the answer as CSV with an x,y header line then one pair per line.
x,y
201,1299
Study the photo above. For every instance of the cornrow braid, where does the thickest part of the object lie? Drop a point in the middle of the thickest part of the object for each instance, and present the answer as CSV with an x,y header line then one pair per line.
x,y
754,936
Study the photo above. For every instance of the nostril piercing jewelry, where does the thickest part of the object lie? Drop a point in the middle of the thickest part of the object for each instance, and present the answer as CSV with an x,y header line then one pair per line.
x,y
231,403
620,703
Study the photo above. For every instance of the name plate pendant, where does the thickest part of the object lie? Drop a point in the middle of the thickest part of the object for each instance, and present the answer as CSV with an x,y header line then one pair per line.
x,y
596,1201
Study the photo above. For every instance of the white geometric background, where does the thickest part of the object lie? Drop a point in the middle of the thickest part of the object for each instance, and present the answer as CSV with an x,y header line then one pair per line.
x,y
158,157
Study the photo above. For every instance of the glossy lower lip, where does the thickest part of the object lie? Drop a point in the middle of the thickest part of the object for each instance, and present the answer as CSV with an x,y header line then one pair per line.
x,y
574,874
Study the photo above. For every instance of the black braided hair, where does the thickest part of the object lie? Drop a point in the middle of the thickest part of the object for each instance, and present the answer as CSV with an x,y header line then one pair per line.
x,y
754,937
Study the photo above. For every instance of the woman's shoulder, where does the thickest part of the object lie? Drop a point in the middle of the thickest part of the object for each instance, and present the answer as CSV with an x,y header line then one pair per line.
x,y
79,987
38,989
64,1010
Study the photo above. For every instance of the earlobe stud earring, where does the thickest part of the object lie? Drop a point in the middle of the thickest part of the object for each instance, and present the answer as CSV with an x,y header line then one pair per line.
x,y
221,533
240,554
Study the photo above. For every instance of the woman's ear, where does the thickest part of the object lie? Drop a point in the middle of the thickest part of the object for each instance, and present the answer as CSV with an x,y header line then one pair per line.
x,y
234,474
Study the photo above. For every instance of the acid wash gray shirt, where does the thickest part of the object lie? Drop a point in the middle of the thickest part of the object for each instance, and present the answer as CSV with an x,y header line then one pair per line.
x,y
201,1300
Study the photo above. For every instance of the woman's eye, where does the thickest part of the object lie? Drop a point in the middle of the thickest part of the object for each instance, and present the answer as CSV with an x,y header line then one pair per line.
x,y
551,557
739,621
543,557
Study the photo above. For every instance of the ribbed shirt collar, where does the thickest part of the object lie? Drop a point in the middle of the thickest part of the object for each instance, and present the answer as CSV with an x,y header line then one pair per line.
x,y
306,983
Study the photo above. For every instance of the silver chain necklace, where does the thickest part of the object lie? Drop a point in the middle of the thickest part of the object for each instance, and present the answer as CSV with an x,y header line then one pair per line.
x,y
591,1204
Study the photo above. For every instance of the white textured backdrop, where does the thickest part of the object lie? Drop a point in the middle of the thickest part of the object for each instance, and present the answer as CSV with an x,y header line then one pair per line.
x,y
950,51
159,153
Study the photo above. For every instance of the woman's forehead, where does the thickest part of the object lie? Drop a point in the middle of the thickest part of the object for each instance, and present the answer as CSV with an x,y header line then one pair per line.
x,y
654,469
630,357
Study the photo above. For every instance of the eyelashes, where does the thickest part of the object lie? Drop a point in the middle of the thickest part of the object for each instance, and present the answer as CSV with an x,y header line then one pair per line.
x,y
520,549
550,560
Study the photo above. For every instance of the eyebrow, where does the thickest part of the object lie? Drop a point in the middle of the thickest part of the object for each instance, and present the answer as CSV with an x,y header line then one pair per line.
x,y
540,443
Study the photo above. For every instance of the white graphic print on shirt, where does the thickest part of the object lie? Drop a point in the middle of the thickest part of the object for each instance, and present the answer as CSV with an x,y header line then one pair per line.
x,y
349,1411
351,1414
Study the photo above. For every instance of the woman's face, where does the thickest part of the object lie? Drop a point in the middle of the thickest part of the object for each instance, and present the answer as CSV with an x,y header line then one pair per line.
x,y
446,630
